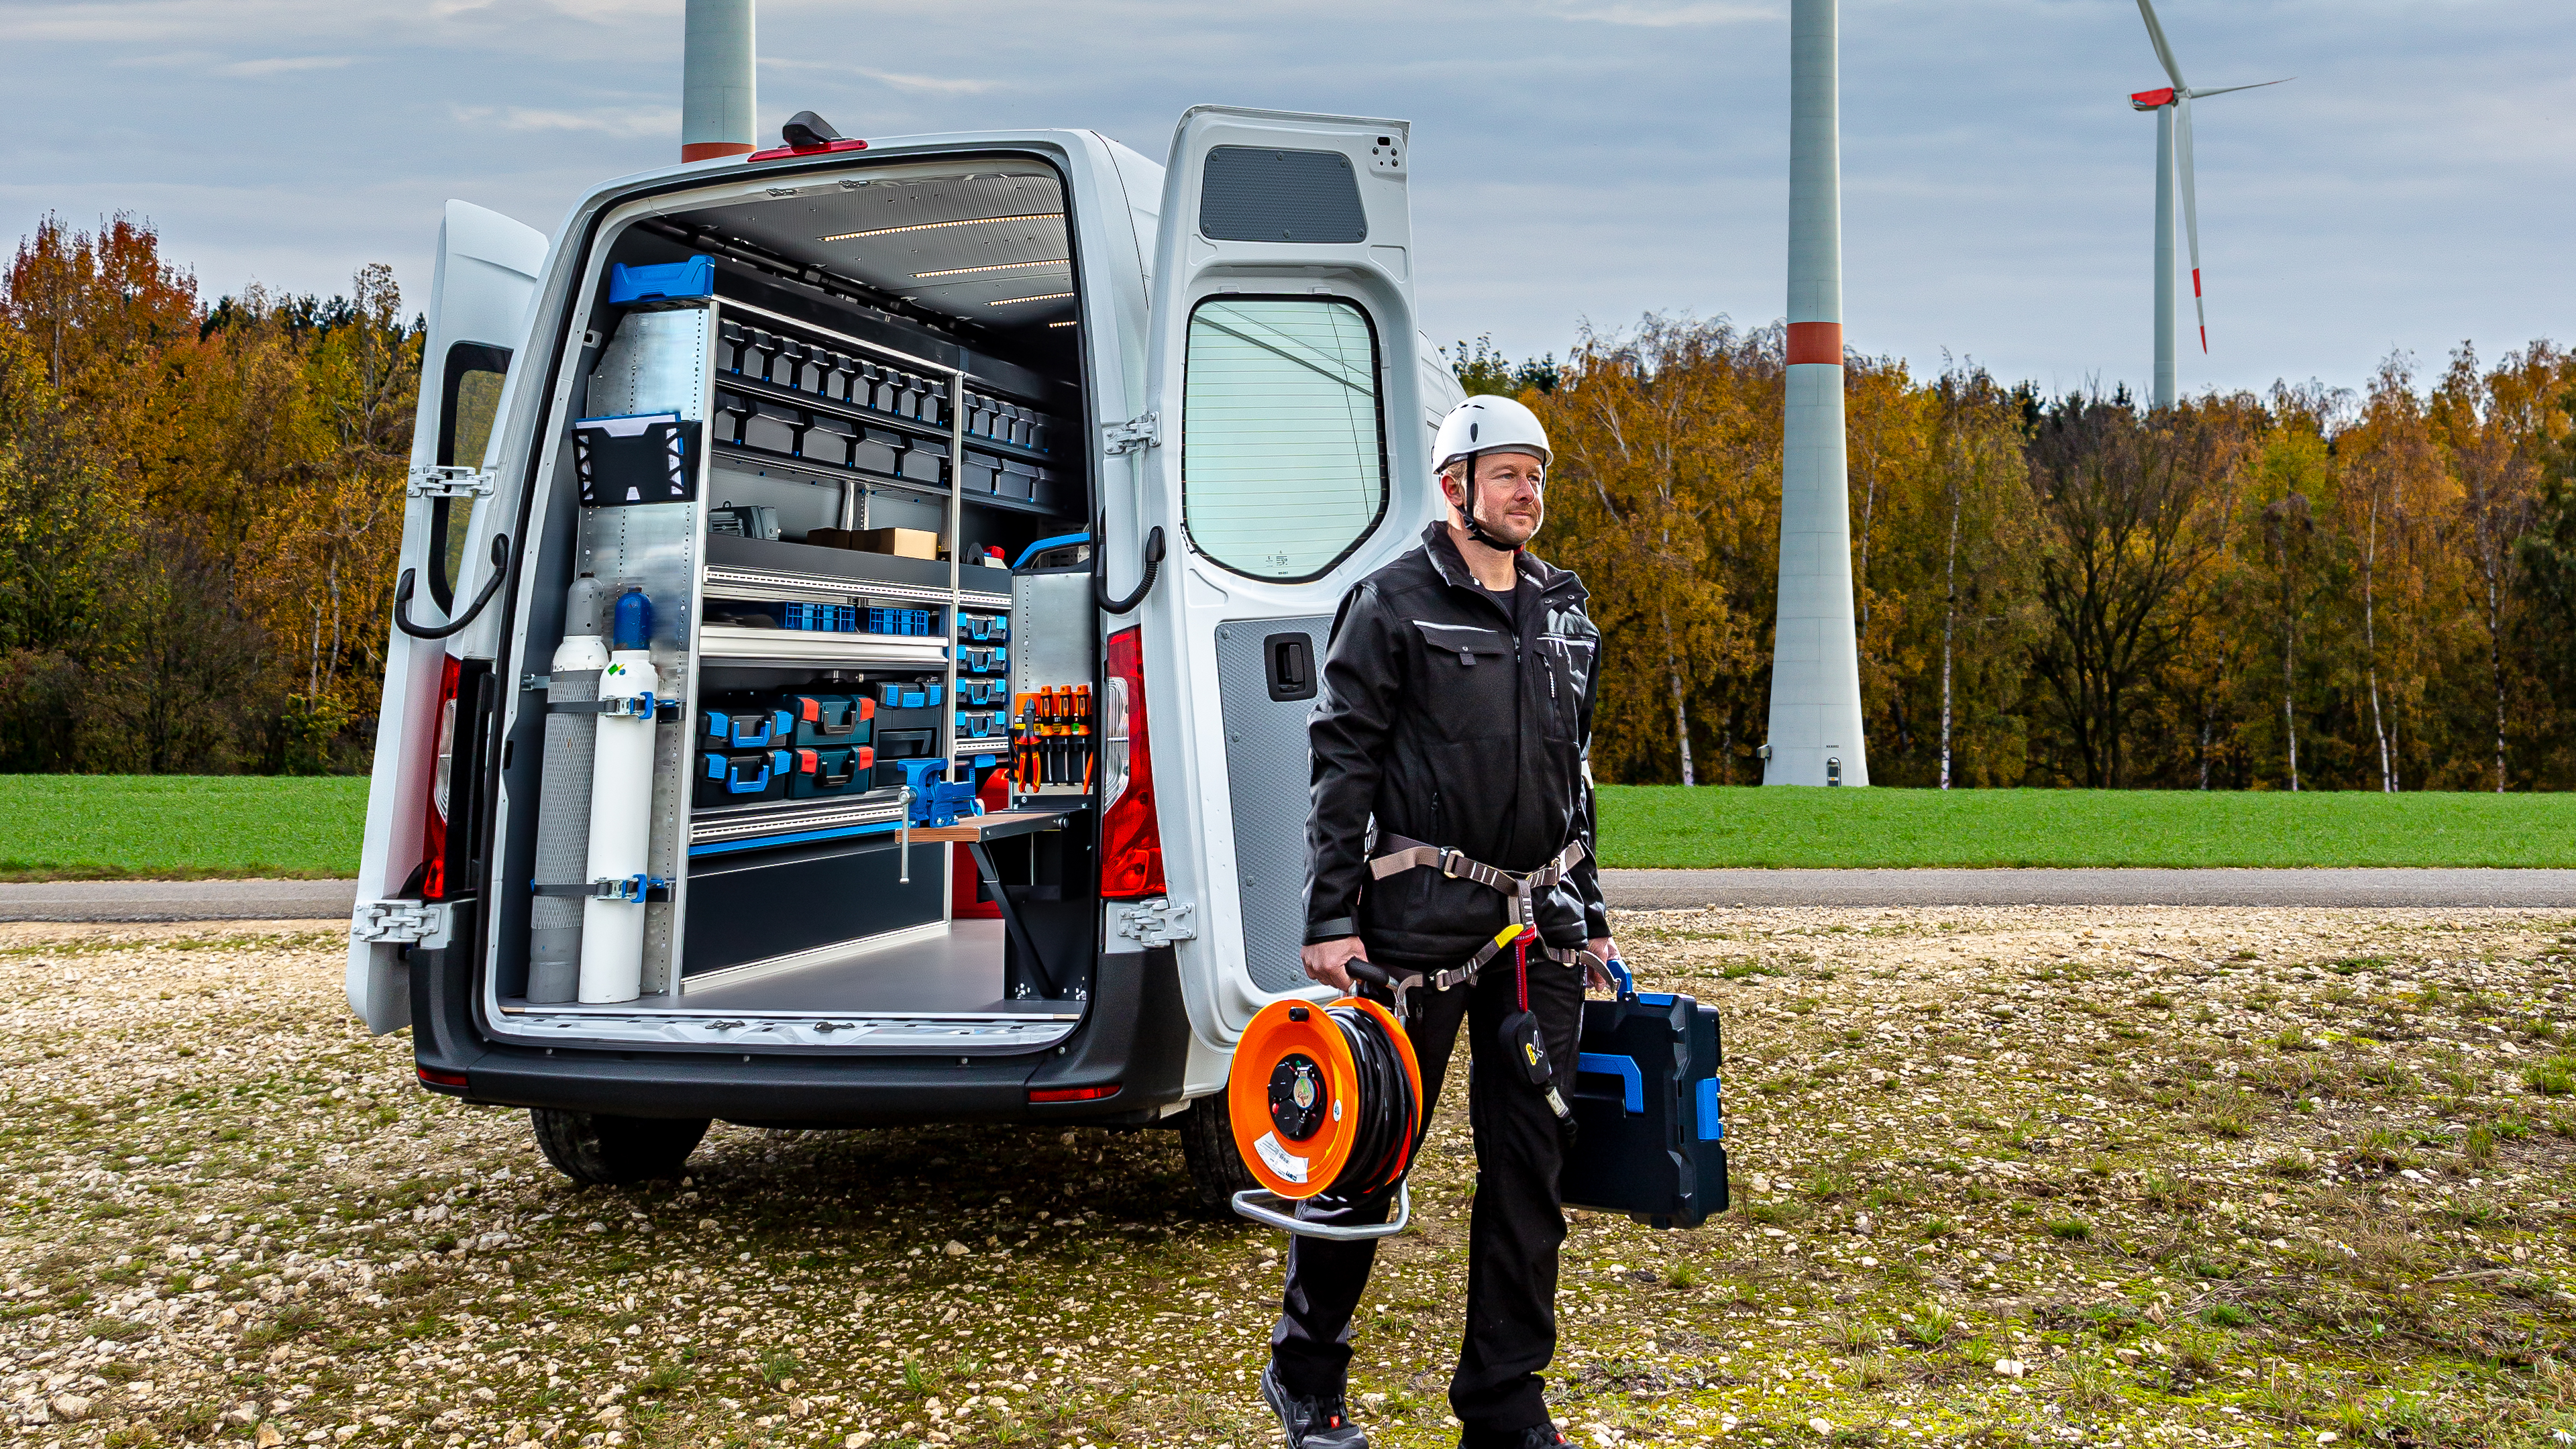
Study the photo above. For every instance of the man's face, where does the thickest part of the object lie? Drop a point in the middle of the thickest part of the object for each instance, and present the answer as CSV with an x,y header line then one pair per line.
x,y
1511,497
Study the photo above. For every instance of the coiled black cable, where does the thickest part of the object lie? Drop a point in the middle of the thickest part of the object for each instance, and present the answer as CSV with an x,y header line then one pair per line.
x,y
1389,1114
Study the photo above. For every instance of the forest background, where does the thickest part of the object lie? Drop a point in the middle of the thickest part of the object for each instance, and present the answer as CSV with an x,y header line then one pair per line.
x,y
2318,588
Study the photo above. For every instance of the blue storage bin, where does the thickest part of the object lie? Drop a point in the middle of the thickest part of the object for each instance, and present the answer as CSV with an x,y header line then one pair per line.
x,y
695,277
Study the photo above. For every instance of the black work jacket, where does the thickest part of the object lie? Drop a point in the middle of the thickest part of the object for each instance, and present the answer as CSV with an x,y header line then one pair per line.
x,y
1441,722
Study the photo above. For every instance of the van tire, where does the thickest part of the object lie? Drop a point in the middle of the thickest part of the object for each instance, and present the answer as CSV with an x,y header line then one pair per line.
x,y
598,1150
1215,1163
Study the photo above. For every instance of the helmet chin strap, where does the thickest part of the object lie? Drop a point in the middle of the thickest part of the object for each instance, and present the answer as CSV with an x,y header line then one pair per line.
x,y
1476,526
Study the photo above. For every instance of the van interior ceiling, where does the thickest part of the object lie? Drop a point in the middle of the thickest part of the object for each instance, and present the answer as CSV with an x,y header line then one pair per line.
x,y
829,427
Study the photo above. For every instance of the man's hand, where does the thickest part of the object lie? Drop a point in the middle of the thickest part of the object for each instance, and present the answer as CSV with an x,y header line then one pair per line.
x,y
1329,961
1602,949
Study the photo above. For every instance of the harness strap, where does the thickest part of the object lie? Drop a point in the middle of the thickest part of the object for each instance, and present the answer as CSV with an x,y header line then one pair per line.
x,y
1522,888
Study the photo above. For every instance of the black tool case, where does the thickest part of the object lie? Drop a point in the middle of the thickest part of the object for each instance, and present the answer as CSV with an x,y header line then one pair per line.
x,y
1649,1130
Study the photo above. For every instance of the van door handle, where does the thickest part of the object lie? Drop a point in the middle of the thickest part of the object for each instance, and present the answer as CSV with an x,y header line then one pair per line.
x,y
403,591
1100,575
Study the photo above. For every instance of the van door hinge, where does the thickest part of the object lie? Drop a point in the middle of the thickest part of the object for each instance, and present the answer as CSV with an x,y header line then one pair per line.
x,y
418,922
1135,433
1158,923
449,482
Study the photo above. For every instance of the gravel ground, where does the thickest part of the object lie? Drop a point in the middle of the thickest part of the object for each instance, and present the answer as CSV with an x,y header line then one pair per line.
x,y
2134,1176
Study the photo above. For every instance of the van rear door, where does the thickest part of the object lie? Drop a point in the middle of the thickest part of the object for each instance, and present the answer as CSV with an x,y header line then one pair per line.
x,y
1283,459
478,302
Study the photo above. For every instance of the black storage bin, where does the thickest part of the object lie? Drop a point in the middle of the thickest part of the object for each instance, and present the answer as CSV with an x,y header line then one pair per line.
x,y
1650,1129
831,719
830,770
894,746
774,428
622,461
741,777
926,461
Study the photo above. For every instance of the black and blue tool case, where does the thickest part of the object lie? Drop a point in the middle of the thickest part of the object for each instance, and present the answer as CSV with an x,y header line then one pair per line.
x,y
1650,1132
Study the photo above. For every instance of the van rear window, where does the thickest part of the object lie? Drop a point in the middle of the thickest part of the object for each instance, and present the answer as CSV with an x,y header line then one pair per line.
x,y
1283,456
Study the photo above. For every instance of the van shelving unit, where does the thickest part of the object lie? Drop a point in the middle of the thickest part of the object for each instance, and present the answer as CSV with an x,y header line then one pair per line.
x,y
725,657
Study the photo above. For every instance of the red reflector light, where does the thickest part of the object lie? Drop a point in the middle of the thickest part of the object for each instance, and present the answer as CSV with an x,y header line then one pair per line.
x,y
432,1076
775,153
1070,1094
442,768
1131,839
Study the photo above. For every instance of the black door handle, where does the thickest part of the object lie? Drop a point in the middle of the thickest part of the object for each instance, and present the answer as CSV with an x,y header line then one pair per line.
x,y
1100,574
403,591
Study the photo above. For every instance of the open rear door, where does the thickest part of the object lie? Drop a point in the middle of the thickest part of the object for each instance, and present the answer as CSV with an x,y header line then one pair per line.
x,y
1283,459
478,303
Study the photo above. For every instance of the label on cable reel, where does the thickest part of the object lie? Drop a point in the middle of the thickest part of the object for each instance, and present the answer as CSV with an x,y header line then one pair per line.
x,y
1287,1164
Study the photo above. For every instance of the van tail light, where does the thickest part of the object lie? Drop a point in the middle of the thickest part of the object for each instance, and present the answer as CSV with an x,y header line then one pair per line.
x,y
442,770
433,1077
1131,840
1039,1095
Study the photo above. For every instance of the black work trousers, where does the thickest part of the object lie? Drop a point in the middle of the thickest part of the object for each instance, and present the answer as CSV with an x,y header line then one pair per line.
x,y
1518,1221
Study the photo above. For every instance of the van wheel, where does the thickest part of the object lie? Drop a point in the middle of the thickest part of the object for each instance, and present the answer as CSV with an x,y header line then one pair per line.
x,y
1207,1144
600,1150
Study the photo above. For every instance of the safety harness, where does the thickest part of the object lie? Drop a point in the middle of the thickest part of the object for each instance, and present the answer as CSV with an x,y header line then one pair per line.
x,y
1520,1033
1521,888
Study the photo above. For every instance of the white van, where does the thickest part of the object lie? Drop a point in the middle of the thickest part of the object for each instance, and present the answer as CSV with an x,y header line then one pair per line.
x,y
914,450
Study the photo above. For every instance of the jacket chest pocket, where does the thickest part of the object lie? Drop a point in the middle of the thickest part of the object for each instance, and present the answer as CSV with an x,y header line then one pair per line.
x,y
1467,673
1569,674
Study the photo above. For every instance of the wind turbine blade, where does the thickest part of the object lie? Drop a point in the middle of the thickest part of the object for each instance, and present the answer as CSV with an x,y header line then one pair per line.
x,y
2190,205
2258,85
2164,52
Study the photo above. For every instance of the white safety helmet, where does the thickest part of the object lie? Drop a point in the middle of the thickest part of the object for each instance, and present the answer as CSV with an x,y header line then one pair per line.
x,y
1486,424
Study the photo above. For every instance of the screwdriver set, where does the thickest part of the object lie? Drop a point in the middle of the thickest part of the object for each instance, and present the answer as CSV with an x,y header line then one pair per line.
x,y
1051,739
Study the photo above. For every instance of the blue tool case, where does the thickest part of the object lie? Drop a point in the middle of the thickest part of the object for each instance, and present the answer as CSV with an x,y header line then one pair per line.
x,y
1650,1131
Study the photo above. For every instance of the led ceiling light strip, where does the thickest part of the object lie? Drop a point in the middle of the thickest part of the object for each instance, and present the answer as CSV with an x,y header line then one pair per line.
x,y
1043,297
994,267
936,225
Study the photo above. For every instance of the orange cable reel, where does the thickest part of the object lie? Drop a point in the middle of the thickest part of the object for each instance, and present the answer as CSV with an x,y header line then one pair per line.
x,y
1325,1099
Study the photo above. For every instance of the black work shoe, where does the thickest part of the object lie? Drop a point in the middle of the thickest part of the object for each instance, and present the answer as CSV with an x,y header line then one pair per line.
x,y
1536,1436
1316,1421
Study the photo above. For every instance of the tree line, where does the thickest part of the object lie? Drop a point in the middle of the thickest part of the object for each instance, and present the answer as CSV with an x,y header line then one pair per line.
x,y
201,505
2311,588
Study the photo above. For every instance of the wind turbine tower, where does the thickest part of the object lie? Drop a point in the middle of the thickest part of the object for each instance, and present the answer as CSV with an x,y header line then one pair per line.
x,y
2172,107
1815,660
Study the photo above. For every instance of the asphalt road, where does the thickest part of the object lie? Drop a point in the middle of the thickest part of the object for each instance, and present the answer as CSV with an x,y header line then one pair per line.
x,y
296,900
2419,889
178,900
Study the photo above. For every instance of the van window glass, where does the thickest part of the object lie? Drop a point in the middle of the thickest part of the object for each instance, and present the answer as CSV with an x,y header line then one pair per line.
x,y
469,405
1283,461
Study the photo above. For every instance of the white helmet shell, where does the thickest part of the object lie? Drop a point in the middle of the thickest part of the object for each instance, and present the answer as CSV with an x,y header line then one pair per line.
x,y
1488,424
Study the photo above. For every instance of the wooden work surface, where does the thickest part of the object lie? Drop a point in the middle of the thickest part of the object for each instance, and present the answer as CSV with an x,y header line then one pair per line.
x,y
994,826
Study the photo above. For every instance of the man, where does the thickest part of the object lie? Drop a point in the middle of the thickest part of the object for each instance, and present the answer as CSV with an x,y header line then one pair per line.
x,y
1456,719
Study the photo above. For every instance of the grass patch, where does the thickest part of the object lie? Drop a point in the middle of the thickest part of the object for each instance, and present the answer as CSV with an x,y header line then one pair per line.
x,y
1673,827
180,827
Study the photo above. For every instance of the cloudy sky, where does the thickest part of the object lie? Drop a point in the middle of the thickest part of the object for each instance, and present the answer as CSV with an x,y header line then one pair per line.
x,y
1574,160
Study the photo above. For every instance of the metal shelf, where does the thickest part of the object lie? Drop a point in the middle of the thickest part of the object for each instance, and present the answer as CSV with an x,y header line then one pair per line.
x,y
732,643
768,391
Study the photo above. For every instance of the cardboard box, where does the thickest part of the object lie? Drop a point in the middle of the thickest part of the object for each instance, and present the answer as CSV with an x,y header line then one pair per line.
x,y
901,542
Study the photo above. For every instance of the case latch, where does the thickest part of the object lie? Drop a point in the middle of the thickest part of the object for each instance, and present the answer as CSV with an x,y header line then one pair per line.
x,y
404,921
1158,923
448,481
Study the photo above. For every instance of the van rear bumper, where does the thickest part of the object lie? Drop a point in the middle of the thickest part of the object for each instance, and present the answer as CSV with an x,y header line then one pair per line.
x,y
1134,1037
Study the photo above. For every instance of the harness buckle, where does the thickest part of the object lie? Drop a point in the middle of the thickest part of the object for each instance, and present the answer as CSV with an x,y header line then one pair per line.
x,y
1449,859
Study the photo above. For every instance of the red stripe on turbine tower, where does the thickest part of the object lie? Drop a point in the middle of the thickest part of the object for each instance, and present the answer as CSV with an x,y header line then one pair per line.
x,y
1816,342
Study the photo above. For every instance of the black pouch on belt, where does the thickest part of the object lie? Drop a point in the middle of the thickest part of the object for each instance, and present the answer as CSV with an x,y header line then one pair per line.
x,y
1521,1038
